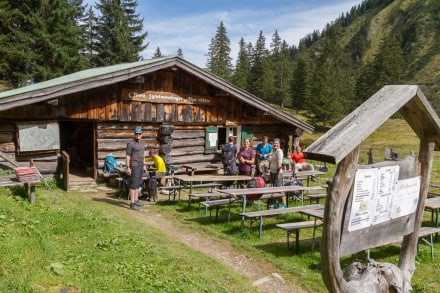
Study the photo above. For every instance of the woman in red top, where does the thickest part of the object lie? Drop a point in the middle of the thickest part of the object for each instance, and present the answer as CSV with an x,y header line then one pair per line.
x,y
300,161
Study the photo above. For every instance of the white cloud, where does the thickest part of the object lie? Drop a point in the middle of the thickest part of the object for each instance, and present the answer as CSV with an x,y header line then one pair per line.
x,y
193,33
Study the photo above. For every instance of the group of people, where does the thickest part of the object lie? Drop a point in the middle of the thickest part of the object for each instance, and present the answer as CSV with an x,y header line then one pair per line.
x,y
266,155
268,158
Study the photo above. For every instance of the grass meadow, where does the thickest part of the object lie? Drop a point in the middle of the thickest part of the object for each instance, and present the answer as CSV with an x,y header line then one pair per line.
x,y
65,242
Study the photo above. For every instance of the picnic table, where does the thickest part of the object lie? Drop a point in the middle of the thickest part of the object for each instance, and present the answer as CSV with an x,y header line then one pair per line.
x,y
192,169
300,174
316,211
433,204
244,193
11,180
209,181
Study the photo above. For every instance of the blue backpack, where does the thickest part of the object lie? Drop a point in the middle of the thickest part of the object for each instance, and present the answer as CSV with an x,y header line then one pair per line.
x,y
110,164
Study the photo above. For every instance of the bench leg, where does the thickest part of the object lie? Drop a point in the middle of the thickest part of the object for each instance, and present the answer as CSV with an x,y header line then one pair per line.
x,y
216,213
30,190
430,243
313,238
260,232
297,241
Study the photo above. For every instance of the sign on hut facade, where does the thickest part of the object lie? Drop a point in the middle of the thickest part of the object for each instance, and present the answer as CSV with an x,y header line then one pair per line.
x,y
374,205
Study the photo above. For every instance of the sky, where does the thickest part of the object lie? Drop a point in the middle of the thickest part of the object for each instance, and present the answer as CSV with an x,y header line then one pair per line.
x,y
191,24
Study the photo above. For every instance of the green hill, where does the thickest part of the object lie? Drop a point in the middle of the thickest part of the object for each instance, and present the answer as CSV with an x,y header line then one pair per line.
x,y
376,43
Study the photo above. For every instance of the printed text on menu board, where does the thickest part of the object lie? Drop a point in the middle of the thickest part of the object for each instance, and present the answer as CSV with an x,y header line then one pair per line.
x,y
378,196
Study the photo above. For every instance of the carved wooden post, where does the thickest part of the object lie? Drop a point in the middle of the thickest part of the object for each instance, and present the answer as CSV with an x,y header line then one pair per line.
x,y
409,245
334,208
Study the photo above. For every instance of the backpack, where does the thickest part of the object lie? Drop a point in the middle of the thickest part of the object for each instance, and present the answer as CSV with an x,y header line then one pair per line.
x,y
228,159
294,181
255,182
232,169
110,164
227,154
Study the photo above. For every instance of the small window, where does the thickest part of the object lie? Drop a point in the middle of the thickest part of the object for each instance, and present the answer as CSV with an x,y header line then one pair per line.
x,y
211,140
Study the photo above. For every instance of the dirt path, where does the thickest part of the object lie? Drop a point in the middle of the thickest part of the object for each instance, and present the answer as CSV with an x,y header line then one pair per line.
x,y
262,274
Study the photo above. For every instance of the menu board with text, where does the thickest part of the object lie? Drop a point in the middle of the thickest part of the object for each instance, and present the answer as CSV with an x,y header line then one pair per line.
x,y
378,196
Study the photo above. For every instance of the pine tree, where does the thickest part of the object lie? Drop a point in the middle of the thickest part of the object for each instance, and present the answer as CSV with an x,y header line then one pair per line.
x,y
242,66
157,53
262,79
329,86
120,37
386,68
282,70
180,52
219,61
44,34
90,37
299,82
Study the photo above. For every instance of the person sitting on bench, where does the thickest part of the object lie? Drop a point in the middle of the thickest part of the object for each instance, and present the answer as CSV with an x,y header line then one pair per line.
x,y
159,164
301,163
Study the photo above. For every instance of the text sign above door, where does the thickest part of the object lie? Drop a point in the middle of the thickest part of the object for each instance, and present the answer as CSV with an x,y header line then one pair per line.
x,y
164,97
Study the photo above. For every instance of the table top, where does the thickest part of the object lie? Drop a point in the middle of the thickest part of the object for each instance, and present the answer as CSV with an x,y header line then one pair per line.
x,y
11,180
266,190
301,173
211,178
433,202
316,211
208,166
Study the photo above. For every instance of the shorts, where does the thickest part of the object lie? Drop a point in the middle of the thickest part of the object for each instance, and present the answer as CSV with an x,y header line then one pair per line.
x,y
136,176
276,179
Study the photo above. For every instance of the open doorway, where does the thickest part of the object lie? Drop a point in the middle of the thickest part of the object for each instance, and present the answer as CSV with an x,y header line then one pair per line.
x,y
77,138
225,132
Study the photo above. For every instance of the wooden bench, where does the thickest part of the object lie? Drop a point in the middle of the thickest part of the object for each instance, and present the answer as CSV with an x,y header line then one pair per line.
x,y
424,232
259,215
296,227
205,195
174,189
316,196
11,180
428,231
209,204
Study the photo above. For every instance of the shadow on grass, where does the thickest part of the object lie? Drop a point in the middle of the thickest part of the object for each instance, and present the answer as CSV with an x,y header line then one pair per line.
x,y
113,199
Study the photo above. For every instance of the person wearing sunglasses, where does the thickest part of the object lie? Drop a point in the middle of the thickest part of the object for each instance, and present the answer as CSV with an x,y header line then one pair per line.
x,y
134,157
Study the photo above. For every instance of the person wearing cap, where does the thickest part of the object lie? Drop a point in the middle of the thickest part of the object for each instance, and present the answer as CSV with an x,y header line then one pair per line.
x,y
134,157
276,168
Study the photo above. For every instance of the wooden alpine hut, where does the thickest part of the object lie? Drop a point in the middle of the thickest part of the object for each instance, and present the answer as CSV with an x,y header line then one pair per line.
x,y
185,112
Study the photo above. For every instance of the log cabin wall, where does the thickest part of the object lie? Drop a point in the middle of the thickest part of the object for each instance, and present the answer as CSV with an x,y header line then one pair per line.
x,y
115,117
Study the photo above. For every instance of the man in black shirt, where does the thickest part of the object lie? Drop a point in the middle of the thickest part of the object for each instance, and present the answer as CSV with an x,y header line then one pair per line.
x,y
135,166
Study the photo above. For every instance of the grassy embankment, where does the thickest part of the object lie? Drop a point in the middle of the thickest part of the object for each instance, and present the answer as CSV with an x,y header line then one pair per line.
x,y
95,247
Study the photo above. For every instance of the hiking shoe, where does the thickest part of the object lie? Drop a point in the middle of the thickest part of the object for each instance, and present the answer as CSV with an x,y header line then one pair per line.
x,y
133,206
282,206
138,203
